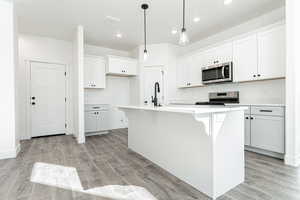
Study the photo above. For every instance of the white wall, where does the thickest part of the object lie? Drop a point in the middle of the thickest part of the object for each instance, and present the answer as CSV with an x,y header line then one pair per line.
x,y
269,92
117,91
102,51
292,156
78,84
46,50
9,144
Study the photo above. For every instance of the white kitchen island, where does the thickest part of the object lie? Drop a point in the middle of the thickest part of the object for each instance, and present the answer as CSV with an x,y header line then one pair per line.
x,y
203,146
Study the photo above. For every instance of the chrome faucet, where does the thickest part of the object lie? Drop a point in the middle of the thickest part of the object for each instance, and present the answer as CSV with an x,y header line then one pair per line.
x,y
156,90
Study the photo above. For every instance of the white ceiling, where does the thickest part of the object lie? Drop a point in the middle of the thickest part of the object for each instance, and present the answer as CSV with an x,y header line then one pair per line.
x,y
58,18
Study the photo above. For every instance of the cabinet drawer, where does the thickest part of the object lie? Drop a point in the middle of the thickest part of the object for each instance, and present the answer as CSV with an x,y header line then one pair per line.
x,y
267,110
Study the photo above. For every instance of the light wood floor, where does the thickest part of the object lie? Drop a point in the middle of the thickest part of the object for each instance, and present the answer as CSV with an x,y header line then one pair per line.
x,y
105,160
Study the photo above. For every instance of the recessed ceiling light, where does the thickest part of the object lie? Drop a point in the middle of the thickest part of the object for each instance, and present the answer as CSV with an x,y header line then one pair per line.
x,y
227,2
119,35
196,19
113,19
174,31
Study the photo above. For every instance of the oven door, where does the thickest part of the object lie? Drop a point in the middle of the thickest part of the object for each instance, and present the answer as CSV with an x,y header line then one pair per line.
x,y
216,74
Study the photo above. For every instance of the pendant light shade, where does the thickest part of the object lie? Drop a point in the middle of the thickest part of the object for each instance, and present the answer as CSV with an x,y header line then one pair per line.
x,y
184,39
145,7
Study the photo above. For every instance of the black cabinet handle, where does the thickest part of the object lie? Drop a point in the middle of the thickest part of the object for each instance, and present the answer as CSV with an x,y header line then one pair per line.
x,y
266,111
258,75
254,76
33,98
33,103
247,117
251,118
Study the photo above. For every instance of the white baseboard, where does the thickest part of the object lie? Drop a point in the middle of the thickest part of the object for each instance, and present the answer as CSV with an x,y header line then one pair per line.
x,y
292,160
264,152
11,153
96,133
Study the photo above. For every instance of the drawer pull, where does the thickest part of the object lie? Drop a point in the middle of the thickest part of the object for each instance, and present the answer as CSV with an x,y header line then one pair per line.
x,y
96,107
265,111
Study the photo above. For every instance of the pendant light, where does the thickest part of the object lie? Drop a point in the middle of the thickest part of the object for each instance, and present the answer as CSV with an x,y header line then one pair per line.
x,y
184,39
145,7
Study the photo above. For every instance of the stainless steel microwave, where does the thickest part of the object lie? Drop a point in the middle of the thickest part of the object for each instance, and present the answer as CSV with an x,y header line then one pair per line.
x,y
217,73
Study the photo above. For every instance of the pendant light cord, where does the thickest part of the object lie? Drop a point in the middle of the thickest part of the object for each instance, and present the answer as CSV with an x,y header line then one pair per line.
x,y
183,27
145,31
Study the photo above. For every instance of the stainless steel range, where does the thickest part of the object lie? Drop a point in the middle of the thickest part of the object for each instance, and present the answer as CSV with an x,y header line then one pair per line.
x,y
221,98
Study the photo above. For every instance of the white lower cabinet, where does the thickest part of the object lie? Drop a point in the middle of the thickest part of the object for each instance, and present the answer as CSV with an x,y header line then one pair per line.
x,y
90,121
247,130
265,129
267,132
102,121
96,121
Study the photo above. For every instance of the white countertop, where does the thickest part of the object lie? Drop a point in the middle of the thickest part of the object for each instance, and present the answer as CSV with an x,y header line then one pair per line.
x,y
233,104
187,109
256,104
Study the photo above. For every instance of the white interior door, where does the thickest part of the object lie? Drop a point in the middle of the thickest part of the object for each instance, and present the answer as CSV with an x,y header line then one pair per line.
x,y
151,76
48,93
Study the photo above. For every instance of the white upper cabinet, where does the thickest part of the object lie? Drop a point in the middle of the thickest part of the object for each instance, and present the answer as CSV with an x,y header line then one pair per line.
x,y
272,53
189,71
94,72
245,61
217,55
195,63
121,66
224,53
182,73
257,56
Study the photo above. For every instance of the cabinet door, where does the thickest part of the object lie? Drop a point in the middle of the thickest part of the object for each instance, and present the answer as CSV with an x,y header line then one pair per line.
x,y
267,133
245,59
90,121
194,75
115,66
130,67
247,130
272,53
224,53
209,57
217,55
181,75
102,121
94,72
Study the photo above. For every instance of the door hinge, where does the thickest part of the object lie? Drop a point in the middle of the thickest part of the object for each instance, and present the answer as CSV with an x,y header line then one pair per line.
x,y
66,125
65,73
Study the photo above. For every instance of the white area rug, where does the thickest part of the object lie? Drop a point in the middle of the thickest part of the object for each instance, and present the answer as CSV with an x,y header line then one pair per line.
x,y
67,178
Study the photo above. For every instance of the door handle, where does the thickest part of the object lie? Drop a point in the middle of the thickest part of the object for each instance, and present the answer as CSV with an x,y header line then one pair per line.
x,y
33,103
33,98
